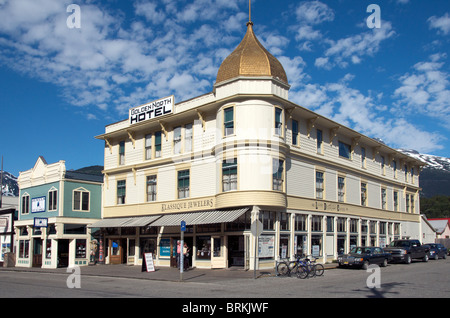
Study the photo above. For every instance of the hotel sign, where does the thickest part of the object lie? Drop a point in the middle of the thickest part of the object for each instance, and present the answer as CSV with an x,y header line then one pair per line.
x,y
151,110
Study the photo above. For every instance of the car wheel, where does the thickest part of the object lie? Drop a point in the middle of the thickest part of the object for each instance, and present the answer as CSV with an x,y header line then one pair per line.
x,y
385,262
365,265
436,257
425,258
445,256
408,259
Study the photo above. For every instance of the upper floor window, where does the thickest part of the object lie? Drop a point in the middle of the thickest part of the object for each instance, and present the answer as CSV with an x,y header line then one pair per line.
x,y
229,175
183,184
383,163
122,153
188,138
394,167
295,132
25,203
228,121
319,140
383,198
363,157
177,140
278,174
363,193
148,146
278,121
52,199
81,200
341,189
319,185
345,150
121,191
395,200
151,188
158,144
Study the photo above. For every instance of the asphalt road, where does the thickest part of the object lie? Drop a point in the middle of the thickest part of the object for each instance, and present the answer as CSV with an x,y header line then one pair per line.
x,y
417,280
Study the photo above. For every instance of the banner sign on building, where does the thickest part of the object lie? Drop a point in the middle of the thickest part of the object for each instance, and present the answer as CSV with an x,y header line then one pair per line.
x,y
40,222
38,205
151,110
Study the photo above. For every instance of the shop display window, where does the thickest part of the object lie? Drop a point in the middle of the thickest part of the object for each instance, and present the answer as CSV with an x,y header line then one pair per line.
x,y
203,247
80,251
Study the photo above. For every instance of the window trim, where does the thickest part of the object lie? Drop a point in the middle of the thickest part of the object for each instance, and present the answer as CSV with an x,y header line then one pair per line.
x,y
155,193
81,190
27,195
224,123
230,166
117,190
280,123
189,183
54,206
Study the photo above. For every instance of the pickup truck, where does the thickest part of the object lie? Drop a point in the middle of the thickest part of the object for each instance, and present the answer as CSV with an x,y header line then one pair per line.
x,y
407,250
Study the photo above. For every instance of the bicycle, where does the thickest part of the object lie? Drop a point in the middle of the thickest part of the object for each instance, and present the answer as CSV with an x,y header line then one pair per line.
x,y
305,269
319,268
283,268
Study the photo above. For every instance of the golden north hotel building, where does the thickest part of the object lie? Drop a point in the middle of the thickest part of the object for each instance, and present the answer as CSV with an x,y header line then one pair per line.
x,y
242,153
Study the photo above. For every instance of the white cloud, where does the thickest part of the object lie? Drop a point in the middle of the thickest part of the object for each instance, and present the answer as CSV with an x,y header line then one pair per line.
x,y
314,12
441,23
426,90
354,48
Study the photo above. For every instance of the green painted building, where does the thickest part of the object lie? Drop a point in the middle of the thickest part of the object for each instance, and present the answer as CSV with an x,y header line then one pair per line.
x,y
56,207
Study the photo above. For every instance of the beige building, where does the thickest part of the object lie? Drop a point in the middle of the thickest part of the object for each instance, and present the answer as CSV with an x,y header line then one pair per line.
x,y
244,152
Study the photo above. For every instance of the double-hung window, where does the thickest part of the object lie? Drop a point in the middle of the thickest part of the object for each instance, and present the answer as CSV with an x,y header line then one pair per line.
x,y
148,146
151,188
383,198
345,150
319,137
278,121
341,189
319,185
188,138
177,140
363,193
121,191
183,184
295,132
122,153
52,199
81,200
25,204
228,121
229,175
278,171
157,144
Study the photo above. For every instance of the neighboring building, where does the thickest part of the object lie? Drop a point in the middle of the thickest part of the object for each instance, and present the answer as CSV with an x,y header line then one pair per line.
x,y
442,226
241,153
8,214
56,206
428,231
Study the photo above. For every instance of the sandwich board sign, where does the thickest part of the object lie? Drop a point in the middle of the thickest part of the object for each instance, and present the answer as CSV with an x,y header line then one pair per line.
x,y
148,262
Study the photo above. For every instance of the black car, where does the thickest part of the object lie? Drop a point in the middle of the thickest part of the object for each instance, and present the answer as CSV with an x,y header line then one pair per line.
x,y
437,250
363,256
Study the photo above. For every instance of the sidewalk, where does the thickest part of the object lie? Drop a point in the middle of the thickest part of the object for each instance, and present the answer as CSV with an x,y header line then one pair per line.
x,y
161,273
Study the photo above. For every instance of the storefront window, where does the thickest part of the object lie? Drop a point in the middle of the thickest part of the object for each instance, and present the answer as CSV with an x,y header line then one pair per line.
x,y
207,228
284,246
341,243
316,245
267,218
284,221
240,224
24,248
300,245
217,247
48,249
300,222
316,223
203,247
80,251
266,246
148,245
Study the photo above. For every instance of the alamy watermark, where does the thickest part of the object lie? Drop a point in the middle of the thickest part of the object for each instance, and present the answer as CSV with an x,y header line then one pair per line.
x,y
374,20
74,20
74,279
374,279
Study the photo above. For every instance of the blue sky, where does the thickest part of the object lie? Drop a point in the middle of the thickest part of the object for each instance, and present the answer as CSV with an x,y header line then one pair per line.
x,y
60,86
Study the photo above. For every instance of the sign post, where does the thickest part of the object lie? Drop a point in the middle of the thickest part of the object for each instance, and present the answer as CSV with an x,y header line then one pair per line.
x,y
256,228
181,255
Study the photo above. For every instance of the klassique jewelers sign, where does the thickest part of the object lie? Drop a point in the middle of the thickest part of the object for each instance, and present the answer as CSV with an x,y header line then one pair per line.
x,y
186,205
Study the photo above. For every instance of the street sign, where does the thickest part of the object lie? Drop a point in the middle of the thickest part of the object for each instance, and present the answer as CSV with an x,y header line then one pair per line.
x,y
256,228
183,226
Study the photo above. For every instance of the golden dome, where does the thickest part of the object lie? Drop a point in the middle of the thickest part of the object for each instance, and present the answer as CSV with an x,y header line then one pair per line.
x,y
250,58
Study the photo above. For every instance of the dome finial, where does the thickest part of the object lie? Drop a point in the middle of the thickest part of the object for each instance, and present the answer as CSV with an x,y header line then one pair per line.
x,y
249,12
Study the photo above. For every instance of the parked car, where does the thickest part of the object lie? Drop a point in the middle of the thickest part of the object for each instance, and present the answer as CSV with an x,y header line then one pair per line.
x,y
363,256
437,250
407,250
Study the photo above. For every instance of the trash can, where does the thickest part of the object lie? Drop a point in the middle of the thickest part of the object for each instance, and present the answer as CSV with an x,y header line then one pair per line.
x,y
9,260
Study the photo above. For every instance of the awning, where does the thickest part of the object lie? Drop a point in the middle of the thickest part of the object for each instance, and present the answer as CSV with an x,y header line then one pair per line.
x,y
125,222
204,217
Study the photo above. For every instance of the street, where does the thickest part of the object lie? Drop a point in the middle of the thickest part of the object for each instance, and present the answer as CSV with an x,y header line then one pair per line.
x,y
417,280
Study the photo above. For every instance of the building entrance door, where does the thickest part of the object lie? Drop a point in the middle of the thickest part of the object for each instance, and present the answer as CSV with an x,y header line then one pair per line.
x,y
236,251
218,259
116,255
37,253
63,253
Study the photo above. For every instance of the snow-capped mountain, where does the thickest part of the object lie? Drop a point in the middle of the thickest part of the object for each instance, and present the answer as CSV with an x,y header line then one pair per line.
x,y
10,186
434,162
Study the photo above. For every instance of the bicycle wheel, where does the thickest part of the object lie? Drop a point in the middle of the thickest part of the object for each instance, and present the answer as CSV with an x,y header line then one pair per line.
x,y
282,269
311,270
302,272
293,267
319,269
